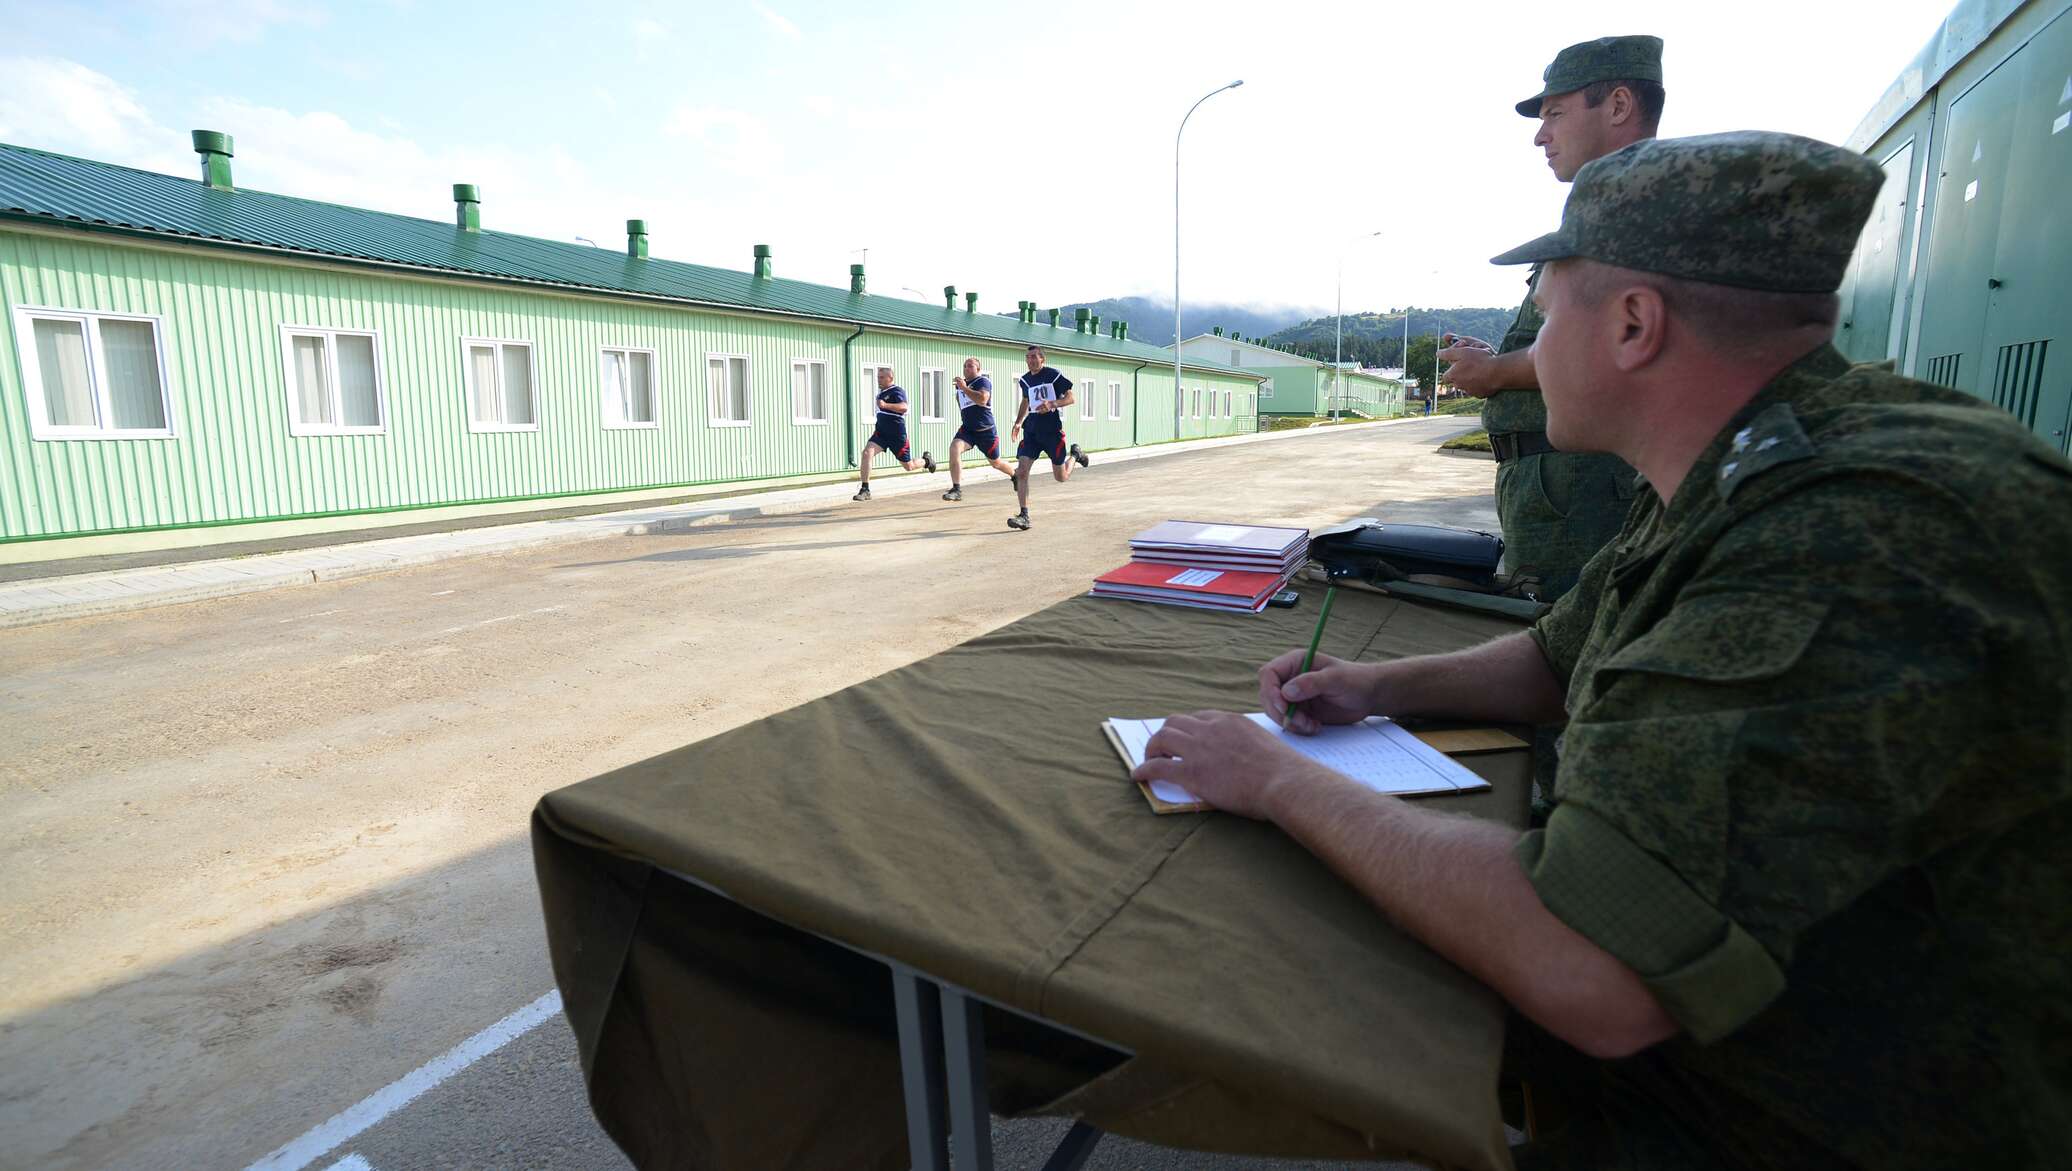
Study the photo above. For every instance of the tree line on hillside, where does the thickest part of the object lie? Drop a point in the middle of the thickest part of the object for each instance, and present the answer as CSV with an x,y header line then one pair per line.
x,y
1376,339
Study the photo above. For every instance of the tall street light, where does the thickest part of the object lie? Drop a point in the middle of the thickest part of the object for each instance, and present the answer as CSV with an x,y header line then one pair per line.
x,y
1338,340
1177,336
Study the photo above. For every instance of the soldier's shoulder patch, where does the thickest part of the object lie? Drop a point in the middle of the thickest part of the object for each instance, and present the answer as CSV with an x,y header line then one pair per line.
x,y
1771,439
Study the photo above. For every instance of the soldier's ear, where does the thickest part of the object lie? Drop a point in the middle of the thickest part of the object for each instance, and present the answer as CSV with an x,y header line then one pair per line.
x,y
1639,324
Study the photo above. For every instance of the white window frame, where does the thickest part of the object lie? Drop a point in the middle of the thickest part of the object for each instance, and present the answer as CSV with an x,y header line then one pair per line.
x,y
330,334
1091,382
869,386
1198,394
1228,396
827,384
467,382
1114,398
942,395
654,389
747,397
40,426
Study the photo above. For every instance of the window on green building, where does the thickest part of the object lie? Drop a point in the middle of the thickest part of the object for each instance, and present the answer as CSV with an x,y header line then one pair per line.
x,y
726,389
1086,391
628,387
809,392
92,375
500,385
1115,400
931,395
334,381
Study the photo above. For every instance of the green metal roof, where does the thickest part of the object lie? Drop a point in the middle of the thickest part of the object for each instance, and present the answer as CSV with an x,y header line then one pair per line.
x,y
39,186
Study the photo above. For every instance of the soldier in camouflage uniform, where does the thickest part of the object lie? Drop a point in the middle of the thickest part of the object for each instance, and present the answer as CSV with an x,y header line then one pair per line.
x,y
1805,899
1557,508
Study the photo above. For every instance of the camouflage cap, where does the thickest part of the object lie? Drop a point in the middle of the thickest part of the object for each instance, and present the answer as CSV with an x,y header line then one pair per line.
x,y
1604,59
1752,209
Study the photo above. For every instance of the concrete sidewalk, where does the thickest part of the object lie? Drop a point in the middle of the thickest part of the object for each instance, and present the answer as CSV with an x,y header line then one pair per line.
x,y
54,599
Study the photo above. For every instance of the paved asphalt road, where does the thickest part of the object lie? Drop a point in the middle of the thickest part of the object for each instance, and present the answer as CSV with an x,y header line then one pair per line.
x,y
264,856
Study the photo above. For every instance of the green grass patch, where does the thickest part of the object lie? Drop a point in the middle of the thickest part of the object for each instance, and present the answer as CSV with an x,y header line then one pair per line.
x,y
1472,441
1464,405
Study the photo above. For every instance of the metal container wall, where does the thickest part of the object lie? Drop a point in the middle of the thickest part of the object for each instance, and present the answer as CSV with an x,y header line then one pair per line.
x,y
1964,275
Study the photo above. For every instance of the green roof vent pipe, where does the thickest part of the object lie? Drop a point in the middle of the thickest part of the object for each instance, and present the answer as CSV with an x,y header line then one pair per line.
x,y
856,279
1079,317
971,302
1054,317
636,239
949,296
1125,330
467,207
215,149
1218,331
762,260
1093,323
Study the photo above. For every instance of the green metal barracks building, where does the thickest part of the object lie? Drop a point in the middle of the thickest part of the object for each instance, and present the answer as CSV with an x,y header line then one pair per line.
x,y
1296,385
1964,273
186,361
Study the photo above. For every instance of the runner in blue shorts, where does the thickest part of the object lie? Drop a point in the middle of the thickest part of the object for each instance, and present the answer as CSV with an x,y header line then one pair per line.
x,y
977,432
890,434
1044,393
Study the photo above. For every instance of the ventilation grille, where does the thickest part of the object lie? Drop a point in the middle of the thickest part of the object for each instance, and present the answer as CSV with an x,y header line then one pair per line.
x,y
2018,379
1943,371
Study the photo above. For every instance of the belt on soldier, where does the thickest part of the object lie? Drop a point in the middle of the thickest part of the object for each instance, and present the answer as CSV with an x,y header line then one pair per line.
x,y
1514,444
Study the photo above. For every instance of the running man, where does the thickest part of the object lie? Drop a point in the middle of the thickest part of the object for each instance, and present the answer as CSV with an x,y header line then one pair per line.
x,y
890,435
977,432
1044,393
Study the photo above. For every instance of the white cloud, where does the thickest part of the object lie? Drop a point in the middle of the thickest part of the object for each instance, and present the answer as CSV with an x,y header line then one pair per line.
x,y
733,140
238,21
647,28
64,106
778,22
819,105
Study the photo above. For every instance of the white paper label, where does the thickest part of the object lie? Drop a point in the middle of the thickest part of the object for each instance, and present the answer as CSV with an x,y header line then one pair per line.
x,y
1220,533
2064,120
1970,190
1194,577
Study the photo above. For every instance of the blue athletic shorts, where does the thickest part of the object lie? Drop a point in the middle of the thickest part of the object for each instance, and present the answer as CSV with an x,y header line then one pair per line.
x,y
986,442
894,440
1035,445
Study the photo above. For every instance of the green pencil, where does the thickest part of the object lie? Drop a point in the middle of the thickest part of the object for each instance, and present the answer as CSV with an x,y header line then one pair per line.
x,y
1314,640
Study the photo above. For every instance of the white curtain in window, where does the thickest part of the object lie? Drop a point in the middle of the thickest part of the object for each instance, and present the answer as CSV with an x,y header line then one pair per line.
x,y
312,381
818,373
640,388
802,390
68,396
515,363
137,399
716,387
482,384
359,401
737,389
614,387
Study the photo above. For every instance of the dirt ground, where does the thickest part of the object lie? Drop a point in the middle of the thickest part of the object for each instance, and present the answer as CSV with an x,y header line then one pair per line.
x,y
260,856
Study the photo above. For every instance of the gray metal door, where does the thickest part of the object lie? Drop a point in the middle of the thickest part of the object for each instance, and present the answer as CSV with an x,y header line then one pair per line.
x,y
1971,188
1867,308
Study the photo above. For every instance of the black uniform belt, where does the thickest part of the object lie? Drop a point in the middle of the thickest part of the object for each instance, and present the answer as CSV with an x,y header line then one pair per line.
x,y
1513,444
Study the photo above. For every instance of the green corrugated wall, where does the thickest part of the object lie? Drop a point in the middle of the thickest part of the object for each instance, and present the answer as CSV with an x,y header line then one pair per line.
x,y
233,458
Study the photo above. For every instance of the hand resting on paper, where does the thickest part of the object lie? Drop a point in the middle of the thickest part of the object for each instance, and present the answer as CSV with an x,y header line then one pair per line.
x,y
1225,759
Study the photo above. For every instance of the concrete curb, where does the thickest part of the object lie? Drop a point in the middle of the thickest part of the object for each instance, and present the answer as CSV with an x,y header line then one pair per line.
x,y
37,601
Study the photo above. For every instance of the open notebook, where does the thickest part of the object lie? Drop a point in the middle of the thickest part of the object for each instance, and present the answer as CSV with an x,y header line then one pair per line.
x,y
1379,753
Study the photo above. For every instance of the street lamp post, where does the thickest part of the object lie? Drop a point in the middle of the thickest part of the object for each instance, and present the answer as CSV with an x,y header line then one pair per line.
x,y
1338,340
1177,337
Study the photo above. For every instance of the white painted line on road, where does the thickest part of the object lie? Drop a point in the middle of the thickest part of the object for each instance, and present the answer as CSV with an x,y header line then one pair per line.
x,y
442,593
307,617
352,1162
370,1110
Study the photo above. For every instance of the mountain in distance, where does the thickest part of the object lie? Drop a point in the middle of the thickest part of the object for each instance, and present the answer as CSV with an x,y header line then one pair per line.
x,y
1151,321
1376,339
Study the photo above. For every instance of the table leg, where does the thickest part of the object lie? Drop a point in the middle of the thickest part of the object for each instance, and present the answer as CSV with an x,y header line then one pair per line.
x,y
917,1002
1077,1147
964,1042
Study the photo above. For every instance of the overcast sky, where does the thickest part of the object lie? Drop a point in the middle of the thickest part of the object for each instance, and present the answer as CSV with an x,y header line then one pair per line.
x,y
1021,151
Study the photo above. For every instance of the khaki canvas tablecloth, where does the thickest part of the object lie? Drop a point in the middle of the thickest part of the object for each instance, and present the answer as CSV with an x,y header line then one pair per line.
x,y
1270,1009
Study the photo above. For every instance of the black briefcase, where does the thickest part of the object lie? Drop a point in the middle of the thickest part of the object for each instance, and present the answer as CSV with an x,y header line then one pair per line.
x,y
1369,549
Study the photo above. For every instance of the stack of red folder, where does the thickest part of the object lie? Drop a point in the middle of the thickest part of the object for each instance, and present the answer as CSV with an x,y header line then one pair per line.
x,y
1206,565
